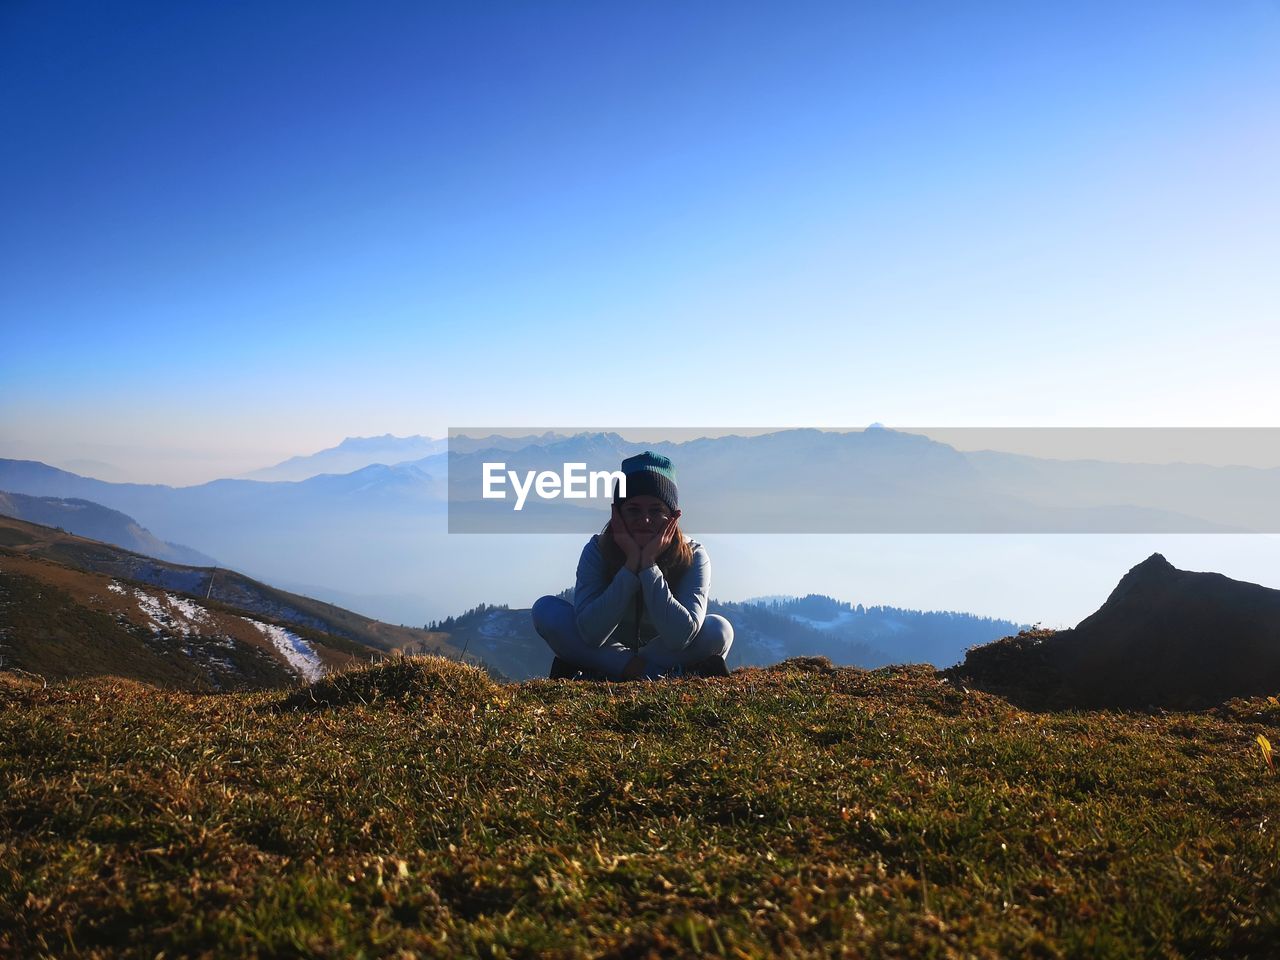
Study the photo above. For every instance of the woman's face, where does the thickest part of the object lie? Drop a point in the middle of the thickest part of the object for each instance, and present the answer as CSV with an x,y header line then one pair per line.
x,y
645,517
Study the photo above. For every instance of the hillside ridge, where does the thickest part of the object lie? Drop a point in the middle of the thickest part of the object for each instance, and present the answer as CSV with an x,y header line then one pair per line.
x,y
20,538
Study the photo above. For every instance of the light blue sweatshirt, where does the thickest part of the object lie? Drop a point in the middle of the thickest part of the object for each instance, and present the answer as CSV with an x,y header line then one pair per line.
x,y
605,610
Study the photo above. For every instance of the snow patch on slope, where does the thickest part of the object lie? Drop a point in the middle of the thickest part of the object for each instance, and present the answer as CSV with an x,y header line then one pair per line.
x,y
840,620
188,609
496,627
298,653
847,618
166,612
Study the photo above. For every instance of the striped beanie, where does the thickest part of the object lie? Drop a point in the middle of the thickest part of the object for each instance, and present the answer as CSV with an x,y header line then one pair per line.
x,y
650,474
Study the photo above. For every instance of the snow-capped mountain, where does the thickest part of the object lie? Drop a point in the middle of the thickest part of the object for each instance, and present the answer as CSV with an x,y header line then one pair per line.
x,y
353,453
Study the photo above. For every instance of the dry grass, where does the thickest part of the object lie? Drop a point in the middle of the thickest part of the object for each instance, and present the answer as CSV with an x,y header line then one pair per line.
x,y
417,808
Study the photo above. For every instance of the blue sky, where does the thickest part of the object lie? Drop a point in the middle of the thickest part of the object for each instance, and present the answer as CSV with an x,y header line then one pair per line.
x,y
234,232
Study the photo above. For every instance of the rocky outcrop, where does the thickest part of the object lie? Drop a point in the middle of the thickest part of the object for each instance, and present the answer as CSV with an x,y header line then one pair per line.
x,y
1164,637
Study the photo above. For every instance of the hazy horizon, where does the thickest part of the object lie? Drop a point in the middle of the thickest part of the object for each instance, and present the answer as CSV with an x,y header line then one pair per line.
x,y
1214,446
1055,580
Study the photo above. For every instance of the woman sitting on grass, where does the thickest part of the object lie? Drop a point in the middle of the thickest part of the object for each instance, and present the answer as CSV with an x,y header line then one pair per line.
x,y
640,605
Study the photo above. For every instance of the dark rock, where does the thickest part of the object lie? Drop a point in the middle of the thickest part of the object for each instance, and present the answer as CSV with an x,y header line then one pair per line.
x,y
1165,637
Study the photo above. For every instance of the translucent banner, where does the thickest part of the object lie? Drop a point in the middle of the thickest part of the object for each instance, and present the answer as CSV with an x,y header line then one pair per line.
x,y
875,480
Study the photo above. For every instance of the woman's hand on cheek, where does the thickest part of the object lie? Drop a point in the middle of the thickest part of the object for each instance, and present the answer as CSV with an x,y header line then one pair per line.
x,y
626,543
658,545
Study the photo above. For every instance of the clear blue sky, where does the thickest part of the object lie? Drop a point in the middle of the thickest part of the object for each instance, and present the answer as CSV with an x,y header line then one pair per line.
x,y
232,232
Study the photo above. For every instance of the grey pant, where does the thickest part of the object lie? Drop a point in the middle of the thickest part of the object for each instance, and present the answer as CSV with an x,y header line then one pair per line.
x,y
554,620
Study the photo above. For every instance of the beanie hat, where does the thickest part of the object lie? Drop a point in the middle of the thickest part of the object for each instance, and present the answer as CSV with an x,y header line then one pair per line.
x,y
650,474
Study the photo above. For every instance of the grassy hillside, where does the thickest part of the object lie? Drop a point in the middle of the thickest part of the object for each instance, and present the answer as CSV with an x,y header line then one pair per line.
x,y
88,519
22,540
48,632
58,622
416,806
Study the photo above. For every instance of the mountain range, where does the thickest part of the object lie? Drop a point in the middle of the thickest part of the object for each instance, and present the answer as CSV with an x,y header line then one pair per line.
x,y
353,453
356,453
881,481
376,536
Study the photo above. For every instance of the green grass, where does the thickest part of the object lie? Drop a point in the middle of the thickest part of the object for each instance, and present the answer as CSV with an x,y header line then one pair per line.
x,y
417,808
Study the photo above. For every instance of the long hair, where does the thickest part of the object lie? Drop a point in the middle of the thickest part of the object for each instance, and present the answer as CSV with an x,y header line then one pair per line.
x,y
674,562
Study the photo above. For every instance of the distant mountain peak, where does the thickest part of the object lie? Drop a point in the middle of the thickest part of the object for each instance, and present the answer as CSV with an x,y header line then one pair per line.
x,y
1154,567
358,443
1154,562
1148,575
353,453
